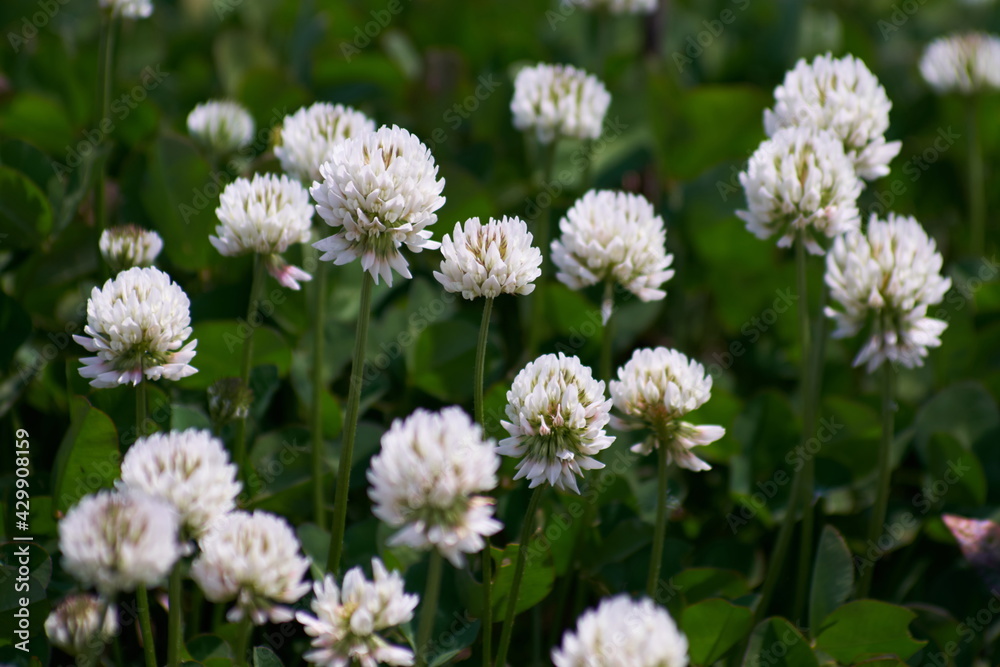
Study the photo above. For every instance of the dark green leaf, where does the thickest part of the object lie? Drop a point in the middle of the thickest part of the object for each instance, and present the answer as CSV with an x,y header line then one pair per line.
x,y
88,458
833,576
713,627
778,643
25,214
867,629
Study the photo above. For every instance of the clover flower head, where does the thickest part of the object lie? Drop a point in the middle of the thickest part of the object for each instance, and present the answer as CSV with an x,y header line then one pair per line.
x,y
128,246
380,191
309,135
966,63
130,9
137,324
222,126
616,7
77,621
489,260
559,101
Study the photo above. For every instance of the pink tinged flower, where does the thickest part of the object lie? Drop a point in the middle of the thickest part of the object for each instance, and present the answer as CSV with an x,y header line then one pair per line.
x,y
137,324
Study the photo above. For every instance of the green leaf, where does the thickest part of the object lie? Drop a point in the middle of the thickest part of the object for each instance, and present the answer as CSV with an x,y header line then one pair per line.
x,y
713,627
443,352
265,657
220,350
535,585
700,583
964,410
15,324
88,458
867,629
25,213
205,647
954,474
777,643
833,576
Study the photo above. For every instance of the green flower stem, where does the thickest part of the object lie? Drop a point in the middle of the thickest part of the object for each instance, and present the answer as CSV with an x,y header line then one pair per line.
x,y
256,286
197,602
608,333
515,584
428,606
140,408
977,193
316,422
145,626
243,635
884,474
105,78
660,528
484,329
542,234
350,428
175,626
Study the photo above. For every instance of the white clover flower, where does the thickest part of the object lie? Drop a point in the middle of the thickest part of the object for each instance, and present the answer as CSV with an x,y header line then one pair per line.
x,y
425,480
557,414
613,236
190,470
255,559
309,135
615,6
117,541
129,245
658,387
559,101
347,622
965,63
623,633
489,260
222,126
886,280
76,623
265,215
130,9
840,95
799,180
380,191
137,324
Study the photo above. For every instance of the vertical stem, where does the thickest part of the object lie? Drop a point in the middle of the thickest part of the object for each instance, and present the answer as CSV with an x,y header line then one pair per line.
x,y
145,626
243,635
977,193
542,235
105,77
428,606
884,475
197,602
515,584
608,333
318,447
484,329
257,283
140,408
175,627
660,529
350,427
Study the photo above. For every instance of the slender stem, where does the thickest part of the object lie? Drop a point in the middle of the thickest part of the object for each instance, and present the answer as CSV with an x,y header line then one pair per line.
x,y
977,193
515,585
429,604
484,329
350,428
660,529
318,447
140,408
256,285
243,635
145,626
542,235
105,78
197,602
175,626
608,333
875,528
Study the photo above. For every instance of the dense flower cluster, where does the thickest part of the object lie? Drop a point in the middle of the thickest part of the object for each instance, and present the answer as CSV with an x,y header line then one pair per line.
x,y
347,622
79,621
658,387
130,9
800,182
965,63
255,559
840,95
137,324
489,260
557,413
885,280
128,246
309,136
425,480
559,101
222,126
379,192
